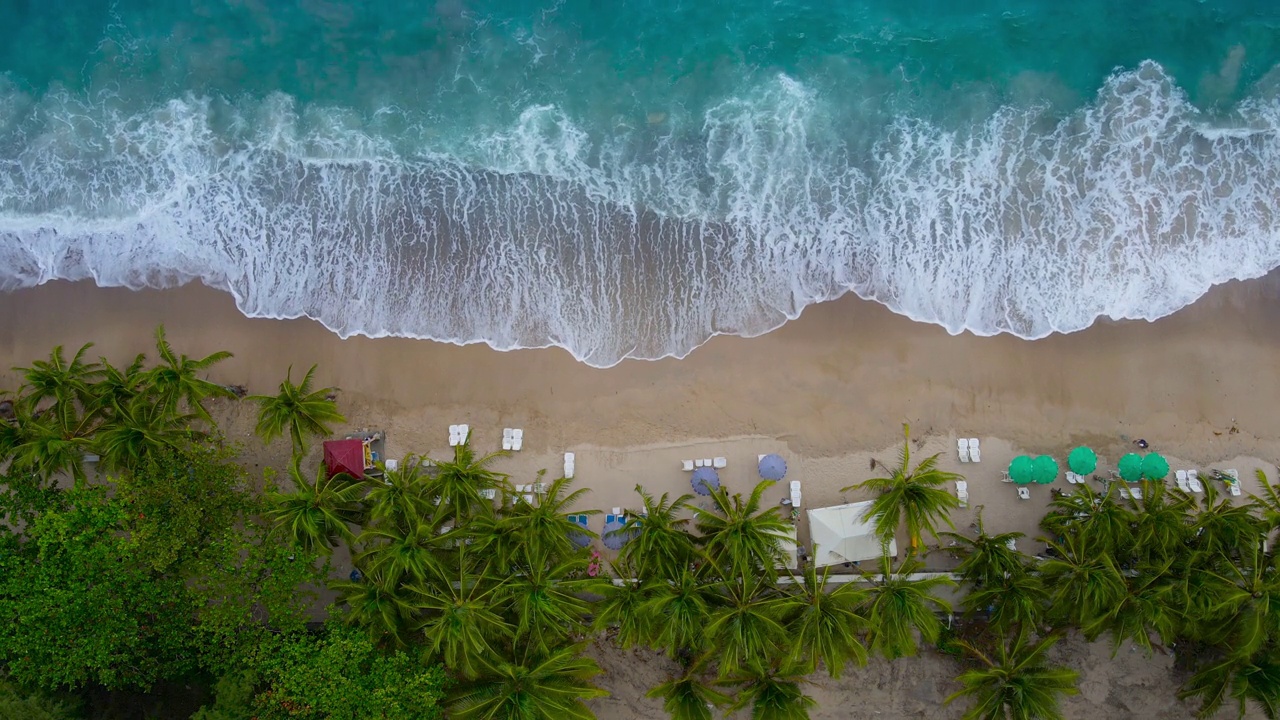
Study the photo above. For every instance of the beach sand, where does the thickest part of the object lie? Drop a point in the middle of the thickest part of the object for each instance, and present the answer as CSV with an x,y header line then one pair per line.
x,y
828,391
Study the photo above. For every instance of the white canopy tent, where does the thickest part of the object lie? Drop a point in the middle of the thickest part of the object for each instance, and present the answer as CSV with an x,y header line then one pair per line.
x,y
844,533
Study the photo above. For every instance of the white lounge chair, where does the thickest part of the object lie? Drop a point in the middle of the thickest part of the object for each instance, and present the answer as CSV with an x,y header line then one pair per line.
x,y
1136,492
392,464
686,465
568,465
719,462
1234,489
1193,481
1024,493
1072,477
698,463
962,447
975,451
1004,476
506,438
1124,492
707,462
1181,479
464,433
488,493
795,493
962,493
517,439
453,435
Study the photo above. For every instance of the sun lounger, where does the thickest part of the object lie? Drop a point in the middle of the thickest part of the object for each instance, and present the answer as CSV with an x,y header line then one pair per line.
x,y
975,452
1234,489
464,433
1181,479
488,493
1073,478
698,463
609,518
719,462
506,438
1136,492
1024,493
392,464
1004,476
687,465
568,465
539,488
962,447
707,462
453,435
618,512
517,439
795,493
1124,492
962,493
1193,481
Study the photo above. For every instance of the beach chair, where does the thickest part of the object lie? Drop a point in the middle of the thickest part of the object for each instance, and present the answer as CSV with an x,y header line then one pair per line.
x,y
609,518
517,439
1136,492
719,462
698,463
962,493
1024,493
707,462
539,488
488,493
617,512
1181,479
1072,477
795,493
962,447
392,464
1193,481
686,465
1124,492
568,465
975,452
1004,476
506,438
464,432
453,435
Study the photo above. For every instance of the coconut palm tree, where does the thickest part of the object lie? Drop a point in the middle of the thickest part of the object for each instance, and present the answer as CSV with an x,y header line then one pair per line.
x,y
298,411
1248,608
910,496
678,612
1015,682
823,622
411,549
621,607
534,685
56,379
899,607
177,379
1084,580
459,617
1160,525
688,696
772,692
1150,604
1096,516
117,387
376,603
459,481
43,447
1017,602
138,430
987,559
398,498
1219,526
315,515
744,628
739,535
659,540
1242,679
541,530
546,599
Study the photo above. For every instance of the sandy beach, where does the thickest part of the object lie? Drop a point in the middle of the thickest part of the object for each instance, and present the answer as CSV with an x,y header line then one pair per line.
x,y
829,392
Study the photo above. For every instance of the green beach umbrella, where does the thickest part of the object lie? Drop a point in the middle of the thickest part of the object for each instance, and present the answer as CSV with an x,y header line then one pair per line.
x,y
1082,461
1130,467
1044,470
1020,469
1155,467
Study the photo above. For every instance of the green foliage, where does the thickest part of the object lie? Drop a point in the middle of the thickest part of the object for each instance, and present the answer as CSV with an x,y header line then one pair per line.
x,y
901,607
342,675
233,698
316,514
1015,681
743,536
18,705
661,541
534,686
458,482
912,497
689,697
297,411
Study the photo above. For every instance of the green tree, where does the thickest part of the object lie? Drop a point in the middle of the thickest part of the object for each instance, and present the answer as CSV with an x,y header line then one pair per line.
x,y
1239,678
688,696
1017,602
55,379
622,607
534,531
381,606
910,496
316,514
742,536
823,622
744,629
410,550
900,607
458,482
773,692
987,559
117,387
660,540
1096,517
138,431
177,379
678,611
399,499
546,599
1015,682
298,411
459,616
1083,579
536,685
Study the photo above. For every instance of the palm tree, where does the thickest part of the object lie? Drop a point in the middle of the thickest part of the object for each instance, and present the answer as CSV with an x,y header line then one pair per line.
x,y
910,496
1150,605
1084,578
118,387
176,378
44,448
376,603
546,598
823,622
398,498
621,607
399,550
537,685
773,693
138,430
1219,527
458,482
1239,678
987,559
56,379
1095,516
315,514
459,618
899,607
541,530
678,612
1015,603
297,410
659,540
740,536
1016,683
688,696
744,629
1160,530
1247,612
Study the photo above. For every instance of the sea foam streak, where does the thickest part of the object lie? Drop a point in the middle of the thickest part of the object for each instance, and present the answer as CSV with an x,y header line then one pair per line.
x,y
647,244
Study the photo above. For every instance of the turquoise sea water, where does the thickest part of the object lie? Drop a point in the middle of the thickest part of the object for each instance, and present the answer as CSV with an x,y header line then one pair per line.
x,y
626,179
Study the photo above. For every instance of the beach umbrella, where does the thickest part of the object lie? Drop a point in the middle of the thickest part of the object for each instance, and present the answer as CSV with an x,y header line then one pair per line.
x,y
1082,461
1020,469
1130,467
705,480
773,467
1044,470
1155,467
613,537
579,539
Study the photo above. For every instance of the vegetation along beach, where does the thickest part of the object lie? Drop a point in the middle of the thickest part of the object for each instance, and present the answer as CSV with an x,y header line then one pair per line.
x,y
533,360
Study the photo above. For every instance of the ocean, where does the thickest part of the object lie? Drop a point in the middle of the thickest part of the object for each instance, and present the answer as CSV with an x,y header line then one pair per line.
x,y
627,179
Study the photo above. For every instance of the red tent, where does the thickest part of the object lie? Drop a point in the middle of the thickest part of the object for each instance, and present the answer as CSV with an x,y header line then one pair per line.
x,y
344,456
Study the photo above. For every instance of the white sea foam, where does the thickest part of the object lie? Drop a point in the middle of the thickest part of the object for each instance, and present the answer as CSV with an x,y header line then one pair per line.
x,y
646,245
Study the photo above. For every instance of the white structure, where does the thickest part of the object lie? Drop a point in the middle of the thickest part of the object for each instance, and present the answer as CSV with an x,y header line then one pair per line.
x,y
788,547
844,533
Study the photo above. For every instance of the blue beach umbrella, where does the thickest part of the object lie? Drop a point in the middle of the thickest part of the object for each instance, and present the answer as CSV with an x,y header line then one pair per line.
x,y
578,537
773,467
613,537
705,480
